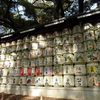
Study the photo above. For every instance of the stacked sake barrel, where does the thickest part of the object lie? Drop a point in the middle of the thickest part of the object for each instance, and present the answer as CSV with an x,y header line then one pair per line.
x,y
68,58
92,53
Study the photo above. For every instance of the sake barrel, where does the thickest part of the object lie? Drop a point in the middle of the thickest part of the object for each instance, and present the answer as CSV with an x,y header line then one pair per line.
x,y
42,44
1,64
48,61
76,29
4,72
26,45
4,81
59,50
97,83
78,47
68,58
49,36
30,80
19,41
56,33
91,80
57,81
6,64
67,48
68,80
92,68
68,38
65,31
19,55
3,50
39,81
68,69
98,45
48,71
10,80
92,56
25,63
80,81
50,42
33,38
22,80
87,26
58,59
25,54
34,45
18,63
48,51
15,80
97,34
19,47
1,72
39,71
80,69
79,57
26,39
48,81
32,63
90,45
57,70
89,35
58,40
16,72
78,37
3,45
40,37
41,61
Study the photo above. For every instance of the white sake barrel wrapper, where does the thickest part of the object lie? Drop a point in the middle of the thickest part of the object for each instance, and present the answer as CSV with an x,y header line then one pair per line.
x,y
68,80
93,80
1,64
80,69
48,71
22,80
80,81
15,80
39,81
68,69
4,72
48,81
57,81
